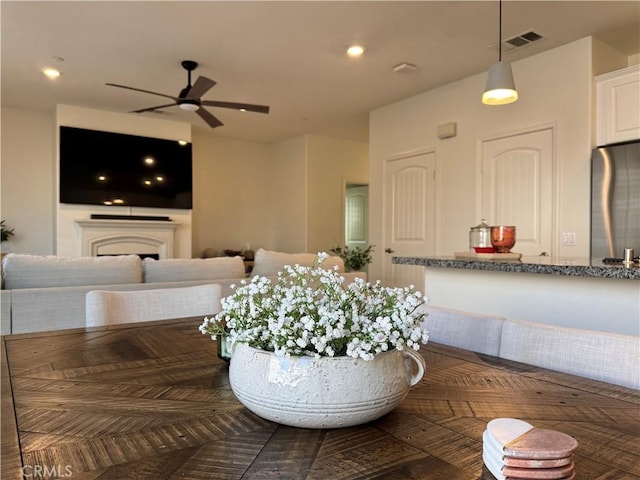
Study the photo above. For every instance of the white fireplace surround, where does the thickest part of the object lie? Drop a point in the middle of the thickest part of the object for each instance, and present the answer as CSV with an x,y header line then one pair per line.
x,y
117,237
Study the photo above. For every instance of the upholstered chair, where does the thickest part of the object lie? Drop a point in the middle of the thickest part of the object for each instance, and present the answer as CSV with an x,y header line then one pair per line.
x,y
112,307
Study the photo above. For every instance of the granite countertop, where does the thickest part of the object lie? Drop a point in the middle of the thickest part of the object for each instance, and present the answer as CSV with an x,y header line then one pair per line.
x,y
576,267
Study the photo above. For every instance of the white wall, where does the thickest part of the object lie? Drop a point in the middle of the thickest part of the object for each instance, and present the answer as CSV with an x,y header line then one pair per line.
x,y
310,174
606,58
288,195
556,89
232,206
331,164
27,182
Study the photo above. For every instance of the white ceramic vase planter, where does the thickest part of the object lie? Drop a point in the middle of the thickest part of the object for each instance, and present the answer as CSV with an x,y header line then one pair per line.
x,y
325,392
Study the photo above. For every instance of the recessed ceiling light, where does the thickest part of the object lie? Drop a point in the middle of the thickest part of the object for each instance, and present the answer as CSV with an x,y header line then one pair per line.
x,y
182,143
149,161
51,73
355,51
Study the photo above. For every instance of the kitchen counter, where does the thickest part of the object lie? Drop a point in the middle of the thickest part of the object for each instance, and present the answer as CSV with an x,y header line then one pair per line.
x,y
574,267
566,292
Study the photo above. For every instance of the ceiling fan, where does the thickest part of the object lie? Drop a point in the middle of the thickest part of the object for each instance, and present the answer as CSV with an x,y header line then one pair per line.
x,y
190,98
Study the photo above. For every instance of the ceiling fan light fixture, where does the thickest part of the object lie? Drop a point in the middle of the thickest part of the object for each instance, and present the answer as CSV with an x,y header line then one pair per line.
x,y
189,107
190,98
500,88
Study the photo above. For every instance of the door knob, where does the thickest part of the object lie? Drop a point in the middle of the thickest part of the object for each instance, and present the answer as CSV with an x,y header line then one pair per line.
x,y
388,250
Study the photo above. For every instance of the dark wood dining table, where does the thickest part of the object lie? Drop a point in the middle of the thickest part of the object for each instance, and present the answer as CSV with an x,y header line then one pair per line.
x,y
153,401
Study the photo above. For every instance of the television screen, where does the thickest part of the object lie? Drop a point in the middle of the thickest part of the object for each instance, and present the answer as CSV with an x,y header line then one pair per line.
x,y
104,168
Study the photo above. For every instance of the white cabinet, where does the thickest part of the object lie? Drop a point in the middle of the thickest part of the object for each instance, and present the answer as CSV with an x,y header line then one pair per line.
x,y
618,106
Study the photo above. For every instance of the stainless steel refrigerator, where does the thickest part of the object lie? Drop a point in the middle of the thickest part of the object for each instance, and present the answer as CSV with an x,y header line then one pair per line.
x,y
615,200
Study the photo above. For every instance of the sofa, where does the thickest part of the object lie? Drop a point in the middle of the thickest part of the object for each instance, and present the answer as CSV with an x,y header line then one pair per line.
x,y
43,293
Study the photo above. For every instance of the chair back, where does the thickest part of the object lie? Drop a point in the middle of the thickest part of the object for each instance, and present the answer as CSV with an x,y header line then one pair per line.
x,y
105,307
456,328
608,357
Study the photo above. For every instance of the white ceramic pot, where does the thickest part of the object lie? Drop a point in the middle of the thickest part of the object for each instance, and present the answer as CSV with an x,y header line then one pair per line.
x,y
328,392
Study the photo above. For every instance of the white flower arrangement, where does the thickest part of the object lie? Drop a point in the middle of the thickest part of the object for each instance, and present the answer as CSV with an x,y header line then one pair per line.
x,y
309,311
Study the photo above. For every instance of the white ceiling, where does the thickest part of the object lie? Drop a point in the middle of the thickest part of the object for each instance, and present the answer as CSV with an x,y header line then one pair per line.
x,y
288,55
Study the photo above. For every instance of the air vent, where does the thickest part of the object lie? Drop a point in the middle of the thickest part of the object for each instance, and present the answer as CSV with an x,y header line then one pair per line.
x,y
405,67
521,40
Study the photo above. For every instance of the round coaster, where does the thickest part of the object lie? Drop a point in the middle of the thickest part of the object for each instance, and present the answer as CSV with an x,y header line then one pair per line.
x,y
492,456
494,466
538,473
532,463
540,443
570,477
505,430
489,443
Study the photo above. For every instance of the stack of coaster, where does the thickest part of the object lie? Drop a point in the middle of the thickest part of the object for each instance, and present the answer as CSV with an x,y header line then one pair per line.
x,y
516,450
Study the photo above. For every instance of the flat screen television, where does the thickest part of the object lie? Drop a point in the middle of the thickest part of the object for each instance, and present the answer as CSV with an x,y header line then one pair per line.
x,y
105,168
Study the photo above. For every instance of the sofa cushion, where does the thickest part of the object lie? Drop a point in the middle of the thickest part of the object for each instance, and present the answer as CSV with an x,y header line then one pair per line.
x,y
36,271
180,269
268,263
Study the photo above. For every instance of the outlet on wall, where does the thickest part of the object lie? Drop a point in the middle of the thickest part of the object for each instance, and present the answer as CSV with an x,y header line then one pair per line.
x,y
569,239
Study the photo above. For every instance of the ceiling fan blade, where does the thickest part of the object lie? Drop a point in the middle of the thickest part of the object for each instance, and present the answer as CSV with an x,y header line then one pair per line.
x,y
151,109
143,91
237,106
208,117
202,86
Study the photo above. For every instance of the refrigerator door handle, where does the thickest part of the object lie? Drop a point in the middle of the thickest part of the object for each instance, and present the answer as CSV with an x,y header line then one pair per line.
x,y
606,193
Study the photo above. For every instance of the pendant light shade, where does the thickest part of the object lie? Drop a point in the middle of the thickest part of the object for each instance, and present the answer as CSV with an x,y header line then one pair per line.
x,y
500,88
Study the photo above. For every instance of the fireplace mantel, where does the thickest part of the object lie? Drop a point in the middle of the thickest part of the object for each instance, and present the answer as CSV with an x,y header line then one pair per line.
x,y
114,236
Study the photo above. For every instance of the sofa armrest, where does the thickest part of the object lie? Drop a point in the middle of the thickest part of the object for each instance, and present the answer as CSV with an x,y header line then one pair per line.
x,y
5,312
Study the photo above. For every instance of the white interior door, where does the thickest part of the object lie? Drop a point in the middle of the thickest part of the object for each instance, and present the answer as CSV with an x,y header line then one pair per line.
x,y
357,216
517,188
409,216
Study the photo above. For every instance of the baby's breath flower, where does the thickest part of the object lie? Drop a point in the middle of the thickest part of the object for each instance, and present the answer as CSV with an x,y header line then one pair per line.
x,y
309,311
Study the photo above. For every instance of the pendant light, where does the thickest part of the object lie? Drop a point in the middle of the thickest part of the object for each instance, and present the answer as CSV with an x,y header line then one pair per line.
x,y
500,88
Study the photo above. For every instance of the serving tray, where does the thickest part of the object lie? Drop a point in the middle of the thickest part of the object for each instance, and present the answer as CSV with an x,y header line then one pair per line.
x,y
487,256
